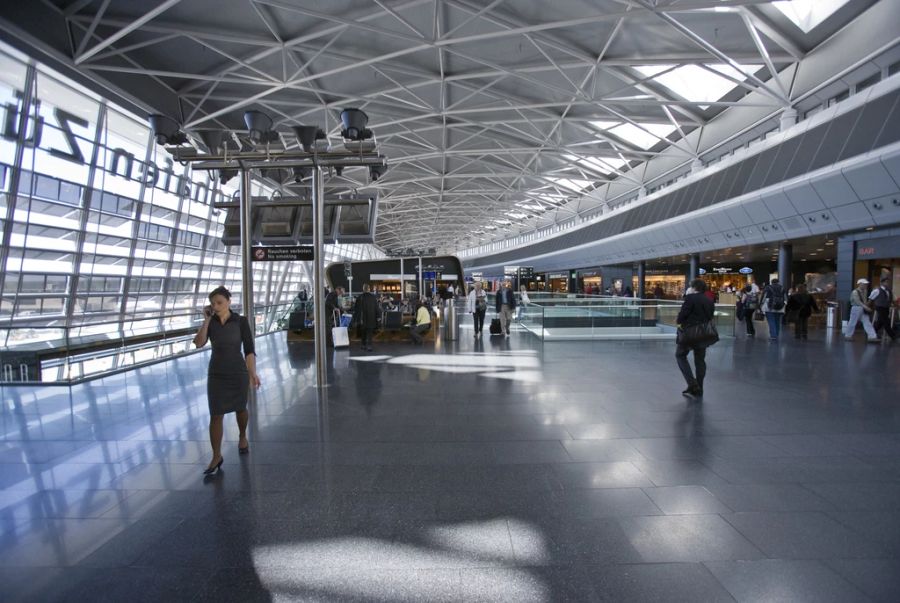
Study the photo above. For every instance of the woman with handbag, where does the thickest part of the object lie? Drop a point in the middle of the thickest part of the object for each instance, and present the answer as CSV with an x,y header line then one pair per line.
x,y
696,332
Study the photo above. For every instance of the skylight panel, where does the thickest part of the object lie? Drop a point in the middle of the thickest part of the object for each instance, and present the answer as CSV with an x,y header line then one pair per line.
x,y
695,83
572,184
517,215
605,164
807,14
642,137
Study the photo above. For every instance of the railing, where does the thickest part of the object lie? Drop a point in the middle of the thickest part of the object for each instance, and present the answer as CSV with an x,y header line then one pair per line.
x,y
42,354
611,318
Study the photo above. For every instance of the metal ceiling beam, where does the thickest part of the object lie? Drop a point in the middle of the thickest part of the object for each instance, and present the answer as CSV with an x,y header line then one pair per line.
x,y
81,57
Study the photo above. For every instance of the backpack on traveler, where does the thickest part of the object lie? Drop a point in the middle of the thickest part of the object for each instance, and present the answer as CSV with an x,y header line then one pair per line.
x,y
776,296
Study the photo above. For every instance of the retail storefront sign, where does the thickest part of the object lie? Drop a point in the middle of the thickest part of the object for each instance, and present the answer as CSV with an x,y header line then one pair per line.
x,y
746,270
877,249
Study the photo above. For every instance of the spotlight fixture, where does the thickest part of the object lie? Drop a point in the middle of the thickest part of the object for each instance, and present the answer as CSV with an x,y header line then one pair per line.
x,y
260,127
355,122
217,141
376,172
166,130
311,138
226,175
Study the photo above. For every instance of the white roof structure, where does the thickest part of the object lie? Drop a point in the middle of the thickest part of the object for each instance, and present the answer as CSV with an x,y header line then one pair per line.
x,y
498,117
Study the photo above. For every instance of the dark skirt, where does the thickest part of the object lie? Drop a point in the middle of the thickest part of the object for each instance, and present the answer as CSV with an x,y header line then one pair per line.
x,y
227,393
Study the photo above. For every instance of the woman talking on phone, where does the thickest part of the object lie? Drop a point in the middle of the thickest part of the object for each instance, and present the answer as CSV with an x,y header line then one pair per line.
x,y
230,372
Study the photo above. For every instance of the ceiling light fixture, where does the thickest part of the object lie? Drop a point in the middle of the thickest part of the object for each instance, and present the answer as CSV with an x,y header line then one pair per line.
x,y
167,130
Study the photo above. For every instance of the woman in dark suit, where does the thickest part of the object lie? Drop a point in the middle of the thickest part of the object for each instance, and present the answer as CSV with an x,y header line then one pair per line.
x,y
230,372
696,309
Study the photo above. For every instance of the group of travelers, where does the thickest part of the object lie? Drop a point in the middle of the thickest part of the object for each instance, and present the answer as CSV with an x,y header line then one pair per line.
x,y
776,306
865,305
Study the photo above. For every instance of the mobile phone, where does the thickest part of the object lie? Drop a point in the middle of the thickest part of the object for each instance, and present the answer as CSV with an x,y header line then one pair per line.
x,y
207,311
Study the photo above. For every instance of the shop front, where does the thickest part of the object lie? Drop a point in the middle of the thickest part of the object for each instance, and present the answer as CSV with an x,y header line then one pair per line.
x,y
557,282
590,281
875,258
664,284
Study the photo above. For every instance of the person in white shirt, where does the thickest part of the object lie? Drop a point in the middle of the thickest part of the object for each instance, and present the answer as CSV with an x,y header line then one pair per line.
x,y
524,300
859,312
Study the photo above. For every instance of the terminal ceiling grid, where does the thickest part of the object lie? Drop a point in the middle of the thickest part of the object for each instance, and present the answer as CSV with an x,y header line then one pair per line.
x,y
498,118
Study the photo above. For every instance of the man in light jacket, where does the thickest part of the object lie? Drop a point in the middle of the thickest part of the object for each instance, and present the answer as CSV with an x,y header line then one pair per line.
x,y
859,312
505,305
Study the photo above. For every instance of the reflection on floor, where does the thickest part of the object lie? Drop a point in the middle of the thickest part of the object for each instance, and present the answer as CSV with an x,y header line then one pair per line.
x,y
496,469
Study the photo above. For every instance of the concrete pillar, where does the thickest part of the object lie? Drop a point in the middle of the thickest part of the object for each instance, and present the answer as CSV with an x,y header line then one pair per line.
x,y
785,258
694,270
642,269
788,118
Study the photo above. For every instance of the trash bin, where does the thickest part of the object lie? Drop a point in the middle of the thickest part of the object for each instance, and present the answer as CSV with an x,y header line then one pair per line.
x,y
831,316
451,323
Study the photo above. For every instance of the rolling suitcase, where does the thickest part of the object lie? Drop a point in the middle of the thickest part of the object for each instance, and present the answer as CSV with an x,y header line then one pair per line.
x,y
495,326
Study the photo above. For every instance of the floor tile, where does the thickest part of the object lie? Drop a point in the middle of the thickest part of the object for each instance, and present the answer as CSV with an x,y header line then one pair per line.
x,y
784,580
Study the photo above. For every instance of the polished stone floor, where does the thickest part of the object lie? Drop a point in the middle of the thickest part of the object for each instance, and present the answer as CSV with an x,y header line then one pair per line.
x,y
502,470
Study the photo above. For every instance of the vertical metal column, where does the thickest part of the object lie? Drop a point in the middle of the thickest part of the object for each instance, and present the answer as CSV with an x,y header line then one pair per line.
x,y
421,281
694,270
785,259
401,282
642,270
318,207
246,251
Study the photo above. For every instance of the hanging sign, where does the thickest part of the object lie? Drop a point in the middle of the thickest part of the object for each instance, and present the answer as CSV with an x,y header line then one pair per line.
x,y
746,270
282,254
702,271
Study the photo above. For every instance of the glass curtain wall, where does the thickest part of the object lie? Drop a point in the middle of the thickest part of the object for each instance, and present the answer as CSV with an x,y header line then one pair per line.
x,y
104,237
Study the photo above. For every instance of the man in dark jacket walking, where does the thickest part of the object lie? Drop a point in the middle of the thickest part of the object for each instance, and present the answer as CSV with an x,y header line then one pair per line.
x,y
365,315
696,309
799,307
882,299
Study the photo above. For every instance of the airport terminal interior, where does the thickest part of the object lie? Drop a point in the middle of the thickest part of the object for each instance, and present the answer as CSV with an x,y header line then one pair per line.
x,y
369,178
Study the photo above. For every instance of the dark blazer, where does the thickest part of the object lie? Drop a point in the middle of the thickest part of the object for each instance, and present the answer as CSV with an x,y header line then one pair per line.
x,y
365,314
332,303
802,303
696,309
511,301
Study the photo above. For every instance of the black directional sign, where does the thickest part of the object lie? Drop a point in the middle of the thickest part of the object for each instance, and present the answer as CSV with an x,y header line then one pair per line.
x,y
283,254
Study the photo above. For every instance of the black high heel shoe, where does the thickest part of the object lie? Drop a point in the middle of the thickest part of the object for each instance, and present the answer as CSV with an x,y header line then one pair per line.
x,y
244,450
216,467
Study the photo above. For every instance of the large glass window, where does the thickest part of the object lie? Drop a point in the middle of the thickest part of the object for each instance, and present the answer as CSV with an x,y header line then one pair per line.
x,y
108,236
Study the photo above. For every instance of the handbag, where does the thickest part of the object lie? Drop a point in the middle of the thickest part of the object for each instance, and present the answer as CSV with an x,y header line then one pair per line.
x,y
759,316
340,337
702,335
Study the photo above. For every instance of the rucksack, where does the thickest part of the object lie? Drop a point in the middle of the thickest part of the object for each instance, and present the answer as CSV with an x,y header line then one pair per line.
x,y
776,297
